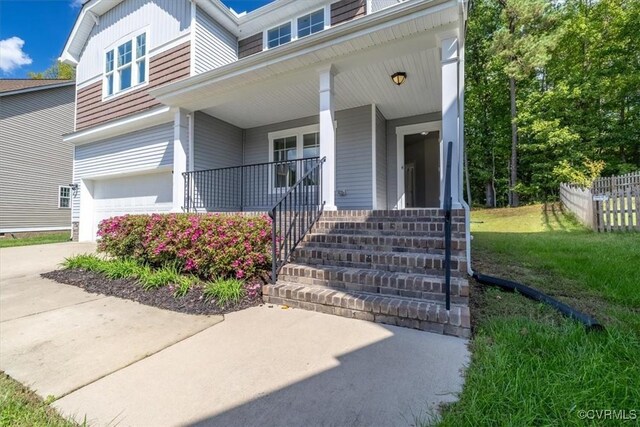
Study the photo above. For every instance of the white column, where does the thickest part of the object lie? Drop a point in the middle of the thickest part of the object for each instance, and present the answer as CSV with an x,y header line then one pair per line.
x,y
450,116
328,137
180,156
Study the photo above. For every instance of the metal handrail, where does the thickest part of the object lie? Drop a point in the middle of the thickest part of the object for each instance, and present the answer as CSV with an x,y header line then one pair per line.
x,y
293,216
240,188
447,227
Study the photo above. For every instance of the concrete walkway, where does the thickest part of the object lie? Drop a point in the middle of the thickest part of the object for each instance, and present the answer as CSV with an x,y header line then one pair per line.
x,y
264,366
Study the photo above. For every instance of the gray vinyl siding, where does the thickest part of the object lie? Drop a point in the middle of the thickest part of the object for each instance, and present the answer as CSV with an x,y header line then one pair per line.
x,y
217,144
215,45
34,160
392,153
144,150
381,160
353,152
353,158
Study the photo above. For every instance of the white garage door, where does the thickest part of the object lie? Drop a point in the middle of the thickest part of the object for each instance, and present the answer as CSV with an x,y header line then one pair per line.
x,y
138,194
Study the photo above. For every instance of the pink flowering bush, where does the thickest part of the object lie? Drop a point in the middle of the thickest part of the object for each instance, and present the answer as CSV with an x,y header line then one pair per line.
x,y
210,245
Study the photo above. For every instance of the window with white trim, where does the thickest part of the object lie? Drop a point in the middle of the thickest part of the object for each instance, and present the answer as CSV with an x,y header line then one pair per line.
x,y
279,35
292,144
64,196
125,65
311,23
297,28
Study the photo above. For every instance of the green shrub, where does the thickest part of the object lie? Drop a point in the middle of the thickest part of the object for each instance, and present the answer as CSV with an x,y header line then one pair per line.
x,y
121,268
209,245
225,291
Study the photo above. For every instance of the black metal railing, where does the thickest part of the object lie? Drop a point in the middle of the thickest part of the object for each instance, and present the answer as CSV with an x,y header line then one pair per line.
x,y
239,188
447,228
294,214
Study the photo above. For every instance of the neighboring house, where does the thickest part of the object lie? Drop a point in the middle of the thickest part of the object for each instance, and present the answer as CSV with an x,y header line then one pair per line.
x,y
36,165
188,106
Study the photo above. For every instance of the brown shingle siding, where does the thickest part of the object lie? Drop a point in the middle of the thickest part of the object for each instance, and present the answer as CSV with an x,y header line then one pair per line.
x,y
250,45
168,66
346,10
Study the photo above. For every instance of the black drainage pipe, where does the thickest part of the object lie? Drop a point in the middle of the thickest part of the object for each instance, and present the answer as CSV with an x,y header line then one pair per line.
x,y
536,295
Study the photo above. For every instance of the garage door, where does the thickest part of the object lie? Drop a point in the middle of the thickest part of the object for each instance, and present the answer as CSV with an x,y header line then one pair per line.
x,y
138,194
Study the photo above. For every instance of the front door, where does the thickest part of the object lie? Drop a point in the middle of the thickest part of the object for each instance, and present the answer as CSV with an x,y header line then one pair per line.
x,y
421,170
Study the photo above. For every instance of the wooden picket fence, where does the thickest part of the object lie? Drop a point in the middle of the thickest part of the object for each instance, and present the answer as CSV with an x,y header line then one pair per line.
x,y
611,204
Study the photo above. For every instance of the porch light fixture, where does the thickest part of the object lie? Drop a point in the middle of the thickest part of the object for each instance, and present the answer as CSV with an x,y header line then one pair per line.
x,y
399,77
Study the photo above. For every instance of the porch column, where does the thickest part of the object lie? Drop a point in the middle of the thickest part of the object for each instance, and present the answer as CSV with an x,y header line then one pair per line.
x,y
180,155
328,137
450,116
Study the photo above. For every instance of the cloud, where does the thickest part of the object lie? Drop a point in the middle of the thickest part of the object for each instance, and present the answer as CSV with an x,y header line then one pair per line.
x,y
11,54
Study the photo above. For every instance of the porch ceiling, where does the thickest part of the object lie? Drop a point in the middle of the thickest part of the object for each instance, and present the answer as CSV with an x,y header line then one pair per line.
x,y
284,85
367,84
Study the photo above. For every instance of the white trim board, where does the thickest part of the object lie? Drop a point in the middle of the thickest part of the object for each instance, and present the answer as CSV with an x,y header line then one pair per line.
x,y
121,126
401,132
33,229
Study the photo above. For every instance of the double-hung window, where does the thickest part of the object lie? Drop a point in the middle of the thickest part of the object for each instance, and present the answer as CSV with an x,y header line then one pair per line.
x,y
125,65
289,146
64,196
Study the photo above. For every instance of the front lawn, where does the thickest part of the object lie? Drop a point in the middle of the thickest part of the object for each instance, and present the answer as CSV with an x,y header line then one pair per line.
x,y
530,365
9,242
19,406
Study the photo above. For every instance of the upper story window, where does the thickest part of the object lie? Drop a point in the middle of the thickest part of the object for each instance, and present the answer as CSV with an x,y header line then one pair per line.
x,y
279,35
300,26
125,65
311,23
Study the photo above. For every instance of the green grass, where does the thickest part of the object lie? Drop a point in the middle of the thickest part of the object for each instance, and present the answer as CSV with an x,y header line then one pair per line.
x,y
225,291
530,365
9,242
19,406
148,277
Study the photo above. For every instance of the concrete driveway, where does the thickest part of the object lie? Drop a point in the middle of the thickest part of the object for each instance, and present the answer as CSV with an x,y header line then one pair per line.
x,y
118,362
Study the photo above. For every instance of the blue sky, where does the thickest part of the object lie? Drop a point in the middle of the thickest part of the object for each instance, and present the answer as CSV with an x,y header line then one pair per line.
x,y
33,32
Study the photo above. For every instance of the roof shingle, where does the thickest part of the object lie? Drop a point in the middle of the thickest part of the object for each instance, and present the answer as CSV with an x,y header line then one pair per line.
x,y
9,85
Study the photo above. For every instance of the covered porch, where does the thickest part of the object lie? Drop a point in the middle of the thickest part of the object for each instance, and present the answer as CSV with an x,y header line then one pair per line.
x,y
247,132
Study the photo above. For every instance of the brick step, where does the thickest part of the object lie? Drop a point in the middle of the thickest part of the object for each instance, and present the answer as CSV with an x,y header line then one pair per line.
x,y
395,226
405,213
411,313
383,243
421,286
405,262
386,233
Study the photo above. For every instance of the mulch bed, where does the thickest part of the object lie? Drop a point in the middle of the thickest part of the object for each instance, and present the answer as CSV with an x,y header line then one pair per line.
x,y
192,303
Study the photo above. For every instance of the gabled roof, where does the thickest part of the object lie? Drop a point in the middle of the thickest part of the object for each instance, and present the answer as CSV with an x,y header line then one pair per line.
x,y
239,24
13,86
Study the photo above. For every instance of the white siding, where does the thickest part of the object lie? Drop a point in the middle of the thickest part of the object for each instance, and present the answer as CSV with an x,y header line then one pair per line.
x,y
144,150
377,5
217,144
167,20
215,46
34,160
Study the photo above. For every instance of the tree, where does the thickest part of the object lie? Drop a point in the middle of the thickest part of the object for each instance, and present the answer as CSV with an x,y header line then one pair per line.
x,y
59,70
524,42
